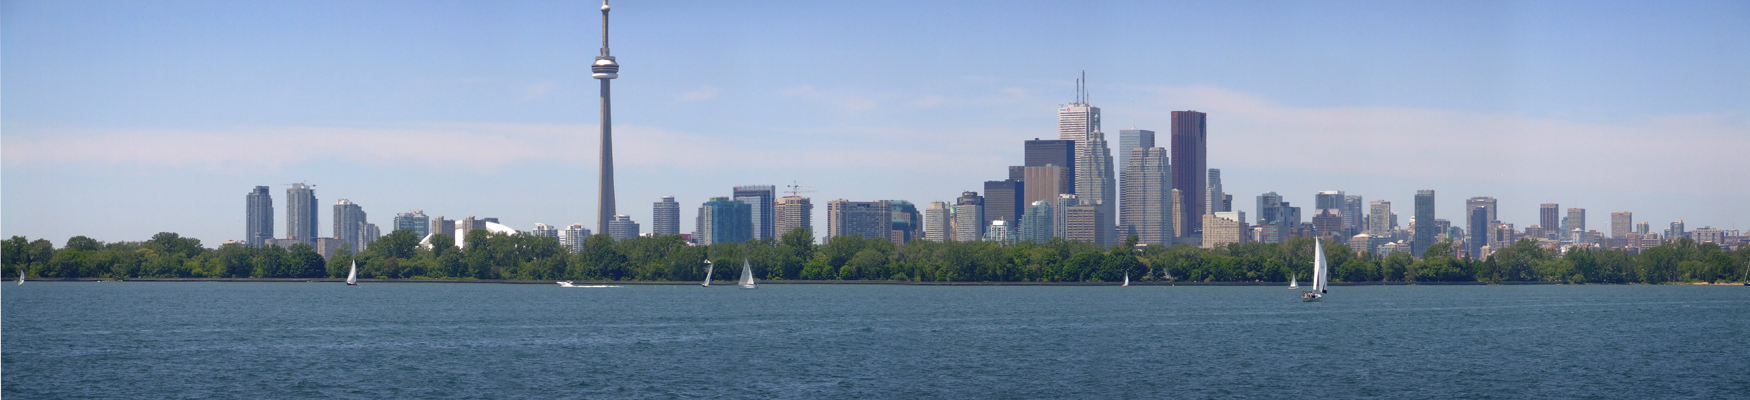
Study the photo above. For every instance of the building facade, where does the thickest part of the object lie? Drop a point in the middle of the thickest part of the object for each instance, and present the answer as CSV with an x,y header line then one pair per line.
x,y
969,217
1223,228
869,219
1426,226
1003,202
1130,139
258,217
722,220
665,217
1061,153
622,228
1096,185
793,212
1036,222
301,213
1084,223
1488,203
349,221
907,223
936,227
1190,162
1621,224
1147,191
759,198
1548,217
1379,218
415,221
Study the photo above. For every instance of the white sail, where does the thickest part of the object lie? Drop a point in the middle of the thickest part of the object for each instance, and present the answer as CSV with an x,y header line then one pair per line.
x,y
21,275
1320,271
747,275
708,268
1293,282
352,278
1126,279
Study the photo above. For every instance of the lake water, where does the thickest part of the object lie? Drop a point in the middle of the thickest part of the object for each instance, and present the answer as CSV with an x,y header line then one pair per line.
x,y
423,340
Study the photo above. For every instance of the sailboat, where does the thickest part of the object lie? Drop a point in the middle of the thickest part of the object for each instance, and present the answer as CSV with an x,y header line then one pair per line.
x,y
1319,274
352,278
747,276
708,268
21,276
1293,282
1746,276
1126,280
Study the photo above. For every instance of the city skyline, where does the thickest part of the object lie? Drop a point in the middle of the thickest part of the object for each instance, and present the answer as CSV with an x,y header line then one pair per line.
x,y
73,131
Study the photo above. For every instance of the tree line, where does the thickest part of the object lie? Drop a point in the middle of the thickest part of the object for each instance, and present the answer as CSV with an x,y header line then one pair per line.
x,y
796,256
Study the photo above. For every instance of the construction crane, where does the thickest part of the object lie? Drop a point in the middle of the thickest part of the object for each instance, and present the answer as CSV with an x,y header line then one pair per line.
x,y
797,189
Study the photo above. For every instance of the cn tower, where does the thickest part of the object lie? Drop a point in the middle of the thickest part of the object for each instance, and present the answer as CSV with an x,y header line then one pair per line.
x,y
606,69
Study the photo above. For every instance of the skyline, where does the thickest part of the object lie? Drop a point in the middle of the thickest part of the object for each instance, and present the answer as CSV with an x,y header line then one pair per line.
x,y
857,126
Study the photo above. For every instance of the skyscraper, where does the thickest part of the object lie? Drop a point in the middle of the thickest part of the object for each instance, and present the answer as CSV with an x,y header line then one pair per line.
x,y
1223,228
1190,160
1083,223
1075,120
301,213
415,221
665,217
1036,222
1214,197
1003,202
1148,183
1060,213
348,224
793,212
622,228
760,197
1576,219
1676,231
1045,183
1272,219
1061,153
1130,139
1380,218
606,69
1426,228
573,236
936,222
1336,202
1478,230
1097,185
1354,214
1621,224
908,225
258,217
1549,218
869,219
1481,201
969,217
722,220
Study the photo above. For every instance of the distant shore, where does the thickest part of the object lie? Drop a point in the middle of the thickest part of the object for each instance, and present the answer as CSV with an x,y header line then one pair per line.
x,y
780,282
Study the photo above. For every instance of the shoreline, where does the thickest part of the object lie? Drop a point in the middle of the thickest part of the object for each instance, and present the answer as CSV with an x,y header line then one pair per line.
x,y
808,282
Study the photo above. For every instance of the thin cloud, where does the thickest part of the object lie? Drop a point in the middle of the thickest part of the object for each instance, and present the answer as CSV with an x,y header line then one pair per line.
x,y
704,93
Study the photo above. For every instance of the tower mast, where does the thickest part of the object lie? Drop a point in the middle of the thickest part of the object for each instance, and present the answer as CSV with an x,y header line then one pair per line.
x,y
605,69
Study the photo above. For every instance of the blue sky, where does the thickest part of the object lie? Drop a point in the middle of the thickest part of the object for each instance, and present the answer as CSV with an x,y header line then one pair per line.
x,y
122,119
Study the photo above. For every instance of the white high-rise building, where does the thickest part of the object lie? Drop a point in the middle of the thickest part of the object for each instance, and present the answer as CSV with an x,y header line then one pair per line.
x,y
573,236
1075,120
936,222
544,231
1380,218
1148,187
666,217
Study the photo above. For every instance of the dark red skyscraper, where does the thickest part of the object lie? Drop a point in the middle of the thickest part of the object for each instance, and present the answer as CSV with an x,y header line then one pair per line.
x,y
1191,166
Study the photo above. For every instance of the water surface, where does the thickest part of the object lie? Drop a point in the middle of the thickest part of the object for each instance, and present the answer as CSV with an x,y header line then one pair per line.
x,y
430,340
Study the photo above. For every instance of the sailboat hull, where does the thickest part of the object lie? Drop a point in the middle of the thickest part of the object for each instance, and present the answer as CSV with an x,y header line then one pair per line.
x,y
1309,297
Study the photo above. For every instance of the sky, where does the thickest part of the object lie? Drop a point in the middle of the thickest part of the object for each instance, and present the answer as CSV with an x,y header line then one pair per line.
x,y
122,119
